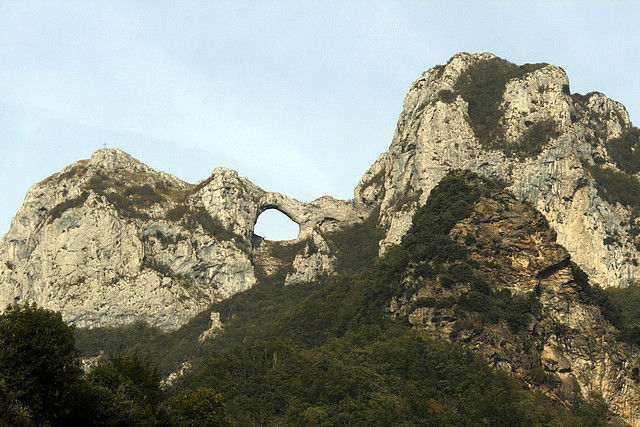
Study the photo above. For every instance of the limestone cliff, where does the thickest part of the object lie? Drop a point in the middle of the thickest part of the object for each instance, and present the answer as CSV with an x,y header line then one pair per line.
x,y
521,124
109,240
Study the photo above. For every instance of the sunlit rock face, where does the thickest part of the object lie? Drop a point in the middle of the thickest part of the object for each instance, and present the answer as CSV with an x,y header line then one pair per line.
x,y
109,241
531,132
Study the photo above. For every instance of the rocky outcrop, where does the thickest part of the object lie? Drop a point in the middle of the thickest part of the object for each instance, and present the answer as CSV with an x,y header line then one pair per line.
x,y
529,132
108,241
214,328
524,306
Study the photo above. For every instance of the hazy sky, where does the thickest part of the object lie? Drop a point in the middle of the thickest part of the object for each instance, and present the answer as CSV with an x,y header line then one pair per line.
x,y
298,96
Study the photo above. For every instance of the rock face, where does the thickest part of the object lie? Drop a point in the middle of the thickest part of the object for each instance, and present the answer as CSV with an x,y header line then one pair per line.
x,y
110,226
524,306
109,241
520,125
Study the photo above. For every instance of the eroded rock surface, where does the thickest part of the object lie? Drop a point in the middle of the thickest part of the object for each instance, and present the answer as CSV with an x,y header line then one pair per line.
x,y
548,144
108,241
516,298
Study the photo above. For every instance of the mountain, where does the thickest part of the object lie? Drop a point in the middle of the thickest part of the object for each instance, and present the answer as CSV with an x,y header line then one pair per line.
x,y
477,268
109,240
502,207
496,279
572,156
131,228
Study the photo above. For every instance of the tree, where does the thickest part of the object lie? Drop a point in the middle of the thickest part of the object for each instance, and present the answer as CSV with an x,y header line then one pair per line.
x,y
38,365
197,407
130,389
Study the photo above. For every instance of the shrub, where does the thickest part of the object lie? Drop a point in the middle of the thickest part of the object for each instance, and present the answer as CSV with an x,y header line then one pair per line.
x,y
425,302
57,211
115,193
177,213
406,199
593,294
162,269
482,86
198,216
128,198
446,96
356,246
495,306
625,302
143,196
616,187
209,224
541,377
534,139
286,252
131,385
197,407
98,183
625,150
166,240
79,168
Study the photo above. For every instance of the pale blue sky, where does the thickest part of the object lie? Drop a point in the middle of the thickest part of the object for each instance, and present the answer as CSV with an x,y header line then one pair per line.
x,y
298,96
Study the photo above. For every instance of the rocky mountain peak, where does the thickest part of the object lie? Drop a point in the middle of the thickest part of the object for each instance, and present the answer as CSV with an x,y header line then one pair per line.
x,y
114,159
110,240
520,124
104,228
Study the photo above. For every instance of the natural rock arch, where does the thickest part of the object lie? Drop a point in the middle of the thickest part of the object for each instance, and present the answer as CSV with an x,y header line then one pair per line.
x,y
293,209
281,213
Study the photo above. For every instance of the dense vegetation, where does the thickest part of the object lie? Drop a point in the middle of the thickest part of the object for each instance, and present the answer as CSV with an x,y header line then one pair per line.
x,y
370,376
356,246
625,303
620,186
534,139
41,382
37,365
395,377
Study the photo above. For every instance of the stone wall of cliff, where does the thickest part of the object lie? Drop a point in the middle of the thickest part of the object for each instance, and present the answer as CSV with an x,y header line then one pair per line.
x,y
522,125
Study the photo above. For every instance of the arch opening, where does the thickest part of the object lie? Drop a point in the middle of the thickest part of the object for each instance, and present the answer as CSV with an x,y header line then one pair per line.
x,y
274,225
